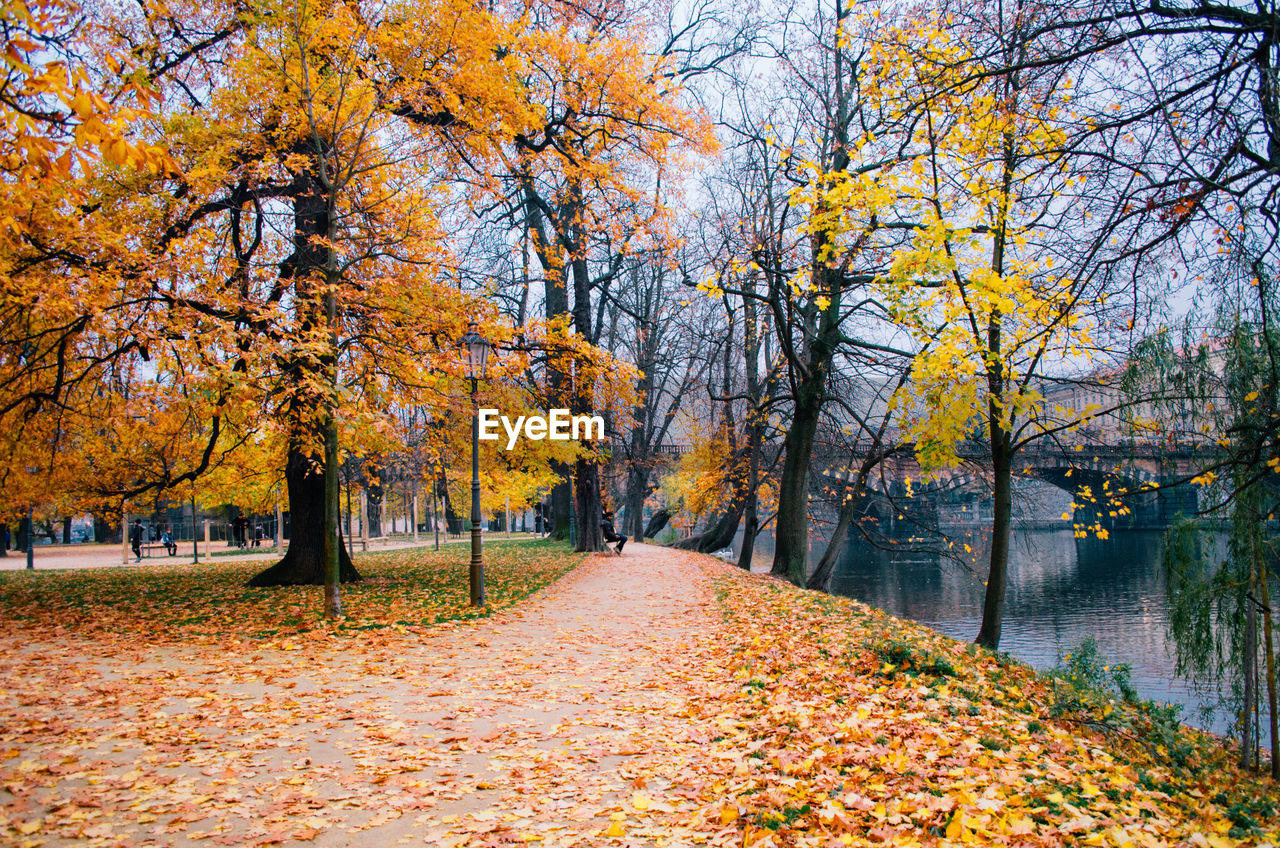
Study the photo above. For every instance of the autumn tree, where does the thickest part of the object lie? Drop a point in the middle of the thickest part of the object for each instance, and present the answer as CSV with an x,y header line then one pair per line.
x,y
813,277
995,294
64,330
277,255
743,373
667,342
607,87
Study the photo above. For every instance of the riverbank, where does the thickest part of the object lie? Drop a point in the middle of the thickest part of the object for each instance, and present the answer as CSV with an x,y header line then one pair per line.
x,y
660,698
873,725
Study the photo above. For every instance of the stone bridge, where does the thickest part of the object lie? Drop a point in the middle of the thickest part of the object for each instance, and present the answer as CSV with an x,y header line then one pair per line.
x,y
1091,473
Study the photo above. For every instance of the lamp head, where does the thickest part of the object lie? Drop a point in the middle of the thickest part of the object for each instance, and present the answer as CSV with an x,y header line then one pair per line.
x,y
476,351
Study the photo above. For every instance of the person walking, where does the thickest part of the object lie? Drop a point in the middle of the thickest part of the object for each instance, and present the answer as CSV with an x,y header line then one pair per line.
x,y
610,534
240,531
135,540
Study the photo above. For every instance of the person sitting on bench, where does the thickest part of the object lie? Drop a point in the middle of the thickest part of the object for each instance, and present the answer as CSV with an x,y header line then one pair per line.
x,y
610,534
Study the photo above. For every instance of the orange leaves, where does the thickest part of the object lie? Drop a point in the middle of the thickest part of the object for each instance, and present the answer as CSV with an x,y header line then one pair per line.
x,y
705,477
758,714
53,124
916,737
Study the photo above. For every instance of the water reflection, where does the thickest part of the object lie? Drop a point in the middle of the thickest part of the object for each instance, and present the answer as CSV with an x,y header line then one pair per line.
x,y
1061,589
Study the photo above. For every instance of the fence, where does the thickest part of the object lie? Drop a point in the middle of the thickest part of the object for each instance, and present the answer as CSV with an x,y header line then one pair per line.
x,y
212,530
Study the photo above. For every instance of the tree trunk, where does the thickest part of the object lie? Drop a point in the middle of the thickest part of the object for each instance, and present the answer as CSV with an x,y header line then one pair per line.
x,y
374,508
1269,646
311,470
720,534
561,503
997,574
755,425
103,532
822,572
637,493
332,548
586,478
750,529
303,564
588,507
657,521
556,305
1247,743
1000,434
66,530
791,555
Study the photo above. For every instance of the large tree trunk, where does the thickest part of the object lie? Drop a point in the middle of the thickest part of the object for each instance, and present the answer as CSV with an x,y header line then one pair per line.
x,y
586,477
791,555
561,502
755,425
311,470
637,493
556,304
303,564
997,574
103,532
588,507
452,521
750,529
25,535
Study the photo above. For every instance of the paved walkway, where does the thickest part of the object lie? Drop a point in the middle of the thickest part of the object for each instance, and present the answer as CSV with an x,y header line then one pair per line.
x,y
559,721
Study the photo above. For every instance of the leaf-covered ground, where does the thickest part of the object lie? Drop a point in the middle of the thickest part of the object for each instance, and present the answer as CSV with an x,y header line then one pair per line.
x,y
658,699
210,601
860,727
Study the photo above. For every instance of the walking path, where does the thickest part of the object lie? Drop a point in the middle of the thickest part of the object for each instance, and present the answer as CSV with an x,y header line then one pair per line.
x,y
560,721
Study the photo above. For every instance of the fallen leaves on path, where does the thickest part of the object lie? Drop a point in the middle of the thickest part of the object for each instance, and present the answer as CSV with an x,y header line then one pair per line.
x,y
172,705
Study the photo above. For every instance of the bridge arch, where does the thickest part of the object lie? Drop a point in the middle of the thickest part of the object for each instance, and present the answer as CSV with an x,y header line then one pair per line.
x,y
1130,480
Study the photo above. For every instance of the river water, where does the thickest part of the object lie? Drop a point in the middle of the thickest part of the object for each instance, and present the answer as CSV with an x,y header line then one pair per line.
x,y
1061,590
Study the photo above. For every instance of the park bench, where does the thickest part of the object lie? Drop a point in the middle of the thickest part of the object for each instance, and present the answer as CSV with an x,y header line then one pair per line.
x,y
148,547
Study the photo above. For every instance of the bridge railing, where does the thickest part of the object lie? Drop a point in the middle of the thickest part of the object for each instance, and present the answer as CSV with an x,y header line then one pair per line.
x,y
973,449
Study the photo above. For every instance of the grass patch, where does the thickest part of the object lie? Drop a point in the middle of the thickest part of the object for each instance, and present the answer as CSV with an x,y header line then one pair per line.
x,y
410,587
910,659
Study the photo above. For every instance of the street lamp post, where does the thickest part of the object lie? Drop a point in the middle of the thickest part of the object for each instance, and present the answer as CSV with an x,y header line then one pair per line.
x,y
477,355
28,352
